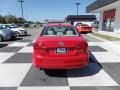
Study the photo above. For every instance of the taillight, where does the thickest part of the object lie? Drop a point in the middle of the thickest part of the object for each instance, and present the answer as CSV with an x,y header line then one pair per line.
x,y
35,46
82,48
82,28
40,48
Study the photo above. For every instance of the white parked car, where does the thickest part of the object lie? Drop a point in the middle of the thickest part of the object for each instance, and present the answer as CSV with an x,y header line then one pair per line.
x,y
19,31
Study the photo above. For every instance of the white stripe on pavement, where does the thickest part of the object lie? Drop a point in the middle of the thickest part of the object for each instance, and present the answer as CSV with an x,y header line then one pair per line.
x,y
45,88
92,76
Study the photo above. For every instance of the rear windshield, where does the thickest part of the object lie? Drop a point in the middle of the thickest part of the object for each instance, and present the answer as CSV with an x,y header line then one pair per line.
x,y
60,31
84,25
12,26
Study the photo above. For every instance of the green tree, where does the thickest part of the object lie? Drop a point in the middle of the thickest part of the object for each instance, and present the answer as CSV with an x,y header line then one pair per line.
x,y
11,19
2,19
14,19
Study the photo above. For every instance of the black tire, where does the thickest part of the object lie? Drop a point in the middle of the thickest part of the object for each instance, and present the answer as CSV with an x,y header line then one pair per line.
x,y
13,38
18,34
1,39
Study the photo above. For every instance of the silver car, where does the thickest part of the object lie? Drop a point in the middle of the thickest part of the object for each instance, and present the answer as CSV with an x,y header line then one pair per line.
x,y
6,34
19,31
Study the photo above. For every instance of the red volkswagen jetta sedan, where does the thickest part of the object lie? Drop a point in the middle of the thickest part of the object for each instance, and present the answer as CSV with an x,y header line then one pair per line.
x,y
60,46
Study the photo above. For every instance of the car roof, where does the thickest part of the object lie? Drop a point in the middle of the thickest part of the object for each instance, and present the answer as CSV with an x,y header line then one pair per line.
x,y
59,24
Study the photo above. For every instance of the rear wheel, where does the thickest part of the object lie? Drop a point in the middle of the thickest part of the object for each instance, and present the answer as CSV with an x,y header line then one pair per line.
x,y
13,38
1,39
18,34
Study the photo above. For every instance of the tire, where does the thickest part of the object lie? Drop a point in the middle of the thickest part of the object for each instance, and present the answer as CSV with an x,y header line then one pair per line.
x,y
1,39
18,34
13,38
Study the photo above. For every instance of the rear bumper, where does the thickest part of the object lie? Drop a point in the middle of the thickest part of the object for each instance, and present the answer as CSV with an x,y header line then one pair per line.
x,y
68,62
23,32
88,31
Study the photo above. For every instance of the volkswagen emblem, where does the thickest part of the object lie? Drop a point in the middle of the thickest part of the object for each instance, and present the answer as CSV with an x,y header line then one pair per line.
x,y
61,44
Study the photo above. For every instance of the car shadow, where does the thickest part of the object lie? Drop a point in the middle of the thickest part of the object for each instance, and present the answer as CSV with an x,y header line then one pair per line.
x,y
16,39
84,33
25,35
93,68
3,45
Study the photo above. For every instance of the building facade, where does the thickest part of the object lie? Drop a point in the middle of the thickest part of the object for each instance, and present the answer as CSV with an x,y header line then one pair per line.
x,y
109,14
85,19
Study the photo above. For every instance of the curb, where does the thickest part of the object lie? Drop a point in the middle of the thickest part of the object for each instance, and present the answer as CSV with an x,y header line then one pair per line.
x,y
104,40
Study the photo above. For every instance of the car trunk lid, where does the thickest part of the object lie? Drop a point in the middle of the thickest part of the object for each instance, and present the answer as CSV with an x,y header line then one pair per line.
x,y
63,46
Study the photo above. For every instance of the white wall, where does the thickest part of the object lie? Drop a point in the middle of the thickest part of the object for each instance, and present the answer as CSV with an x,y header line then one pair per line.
x,y
101,20
117,21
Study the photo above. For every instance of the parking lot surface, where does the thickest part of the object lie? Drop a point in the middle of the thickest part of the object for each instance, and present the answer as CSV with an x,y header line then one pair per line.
x,y
18,73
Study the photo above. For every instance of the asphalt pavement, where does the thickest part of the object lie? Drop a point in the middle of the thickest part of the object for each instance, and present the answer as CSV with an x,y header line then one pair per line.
x,y
18,73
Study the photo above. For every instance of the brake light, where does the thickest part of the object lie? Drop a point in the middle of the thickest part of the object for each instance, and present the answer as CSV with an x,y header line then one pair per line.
x,y
39,46
82,28
82,48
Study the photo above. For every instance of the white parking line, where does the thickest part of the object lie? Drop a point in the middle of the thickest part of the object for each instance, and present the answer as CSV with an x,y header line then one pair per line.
x,y
11,75
18,44
92,76
5,56
45,88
